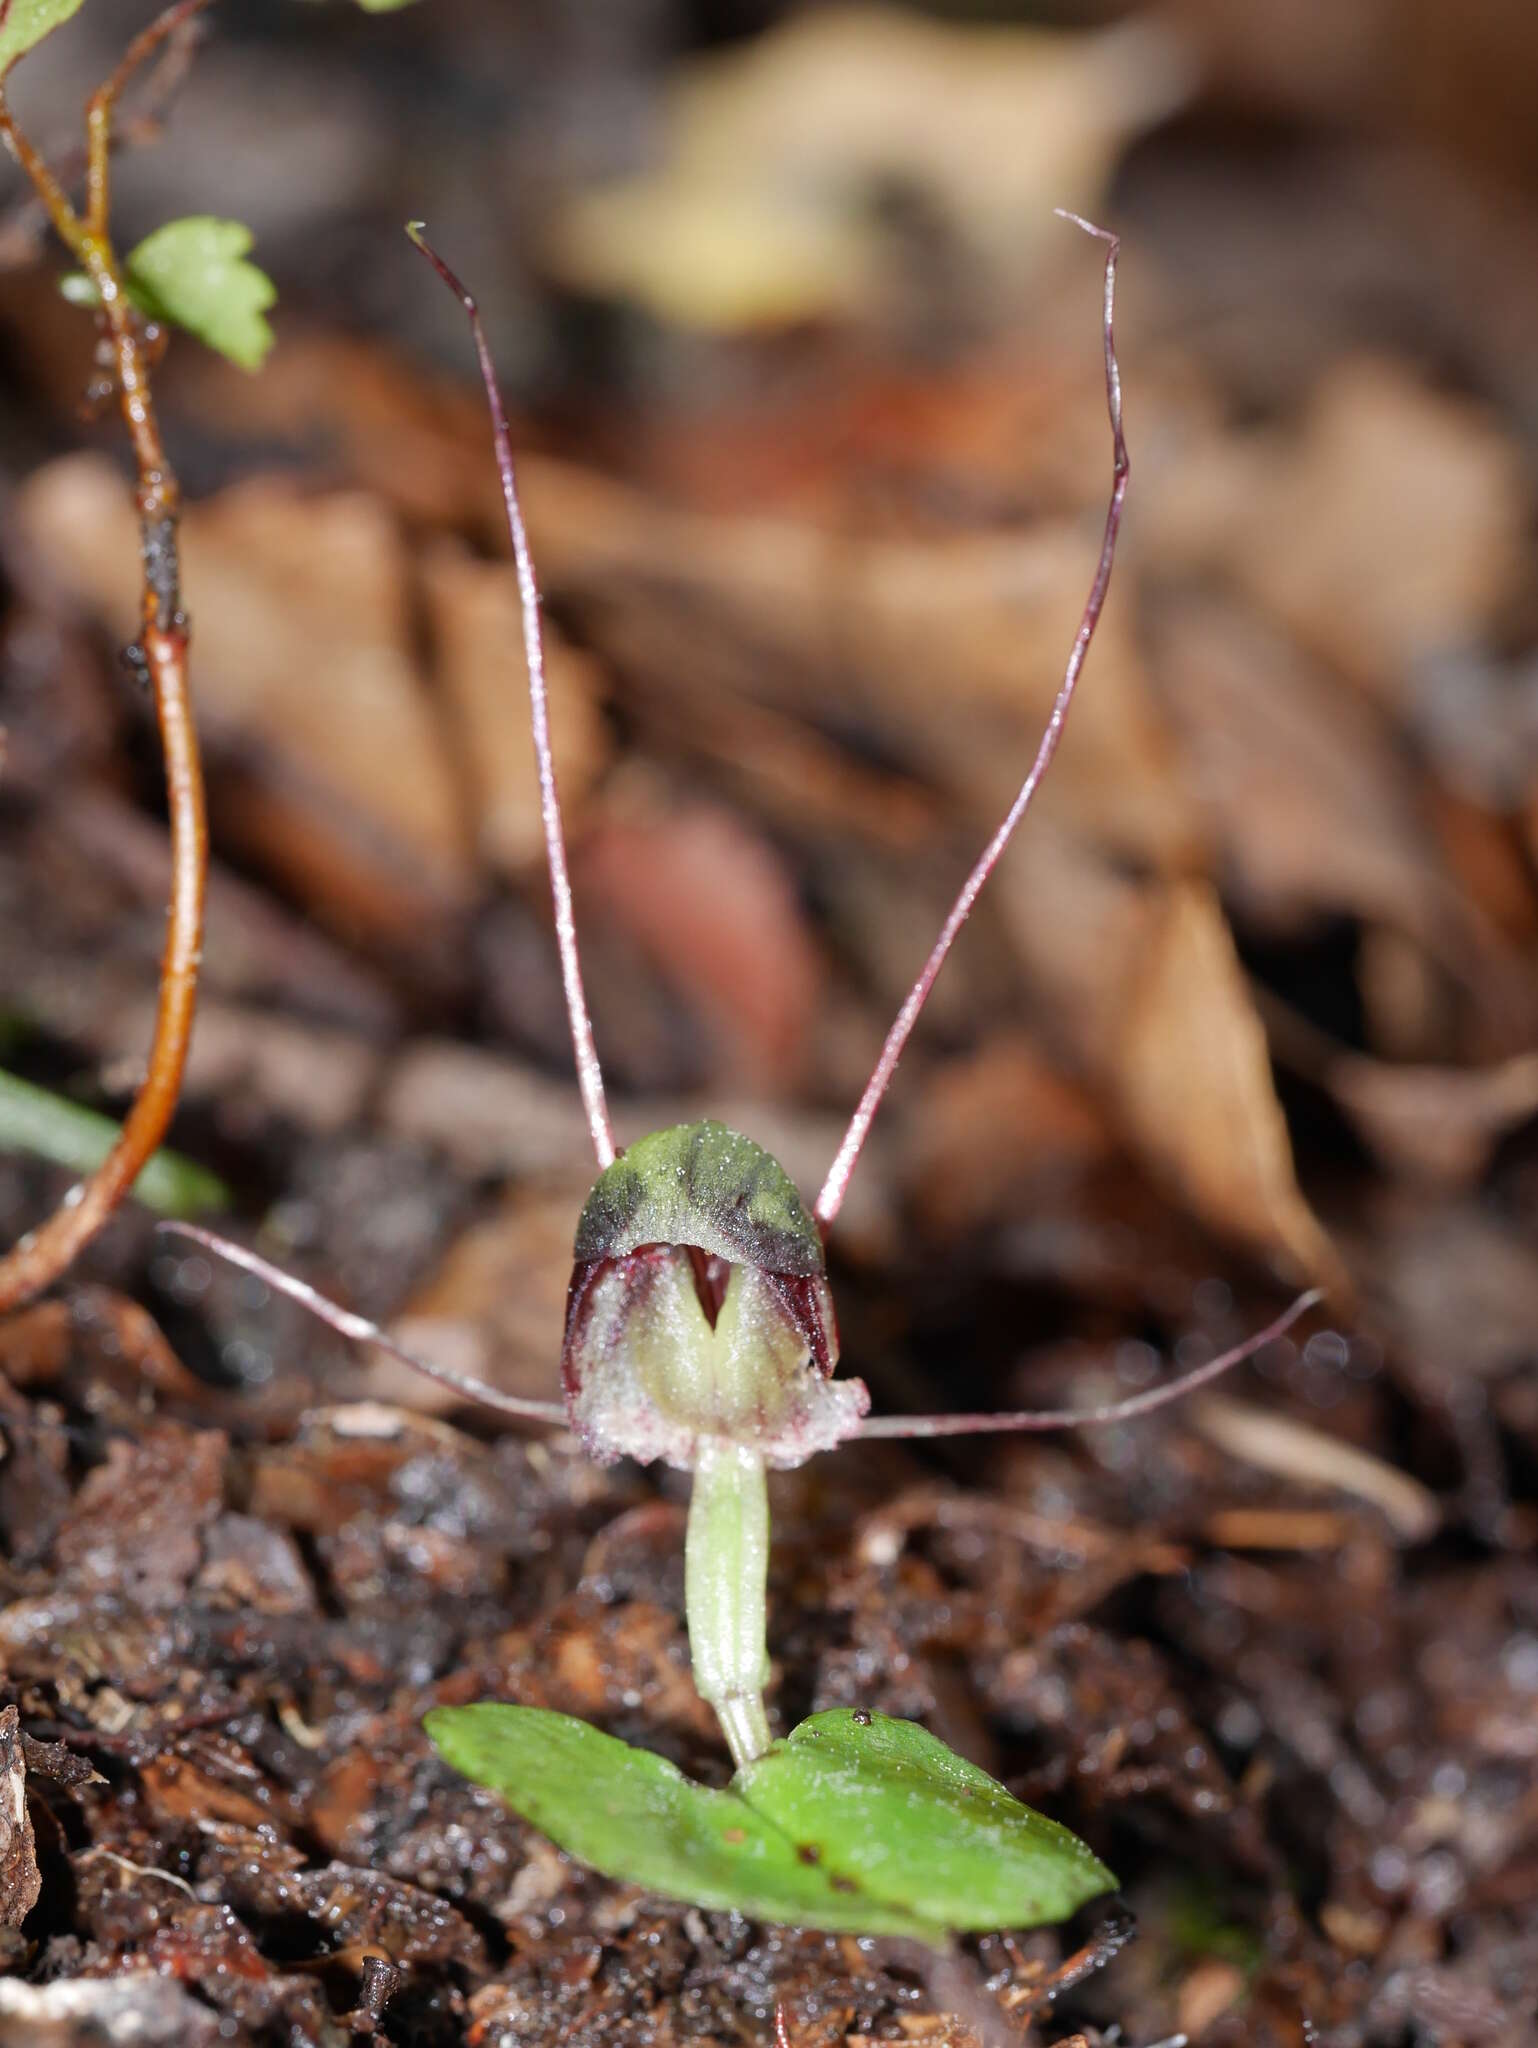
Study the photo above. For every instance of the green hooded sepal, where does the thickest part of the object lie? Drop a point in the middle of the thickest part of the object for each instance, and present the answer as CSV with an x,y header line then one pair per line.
x,y
701,1184
699,1311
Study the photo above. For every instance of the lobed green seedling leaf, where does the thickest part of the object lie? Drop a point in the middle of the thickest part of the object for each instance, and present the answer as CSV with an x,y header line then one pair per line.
x,y
857,1824
24,23
33,1120
193,273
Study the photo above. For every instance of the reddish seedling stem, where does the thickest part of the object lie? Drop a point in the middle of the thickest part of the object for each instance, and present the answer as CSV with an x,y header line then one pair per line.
x,y
836,1186
45,1253
589,1074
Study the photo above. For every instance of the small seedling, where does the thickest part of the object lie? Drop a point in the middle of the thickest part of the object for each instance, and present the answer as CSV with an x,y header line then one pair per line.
x,y
194,274
700,1330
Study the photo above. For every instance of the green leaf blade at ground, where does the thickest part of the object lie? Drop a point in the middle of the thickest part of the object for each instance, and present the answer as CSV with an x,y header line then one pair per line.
x,y
24,23
864,1826
34,1120
194,273
886,1802
632,1815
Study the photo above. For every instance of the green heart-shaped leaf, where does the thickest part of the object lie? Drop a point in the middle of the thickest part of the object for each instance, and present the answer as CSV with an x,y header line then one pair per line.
x,y
884,1802
24,23
866,1826
636,1817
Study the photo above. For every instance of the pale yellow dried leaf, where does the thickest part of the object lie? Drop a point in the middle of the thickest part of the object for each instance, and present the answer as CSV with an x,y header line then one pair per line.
x,y
760,208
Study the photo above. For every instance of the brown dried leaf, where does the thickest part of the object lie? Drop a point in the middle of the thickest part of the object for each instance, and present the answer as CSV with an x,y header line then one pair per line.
x,y
319,1079
951,647
21,1882
477,626
136,1523
759,211
1312,807
1389,529
1436,1124
178,1789
491,1115
417,443
712,907
1439,1124
494,1307
307,691
1318,1459
1315,810
986,1127
1138,989
1192,1084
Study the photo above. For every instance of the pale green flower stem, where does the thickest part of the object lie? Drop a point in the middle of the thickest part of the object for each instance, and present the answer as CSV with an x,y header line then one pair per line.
x,y
726,1570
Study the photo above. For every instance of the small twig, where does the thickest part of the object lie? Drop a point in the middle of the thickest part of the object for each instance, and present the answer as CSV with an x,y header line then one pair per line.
x,y
589,1074
44,1254
100,106
136,1869
22,223
1035,1988
1312,1458
381,1981
836,1186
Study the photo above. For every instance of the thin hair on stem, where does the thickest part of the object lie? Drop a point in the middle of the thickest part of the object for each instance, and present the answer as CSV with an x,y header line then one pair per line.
x,y
589,1073
836,1186
1042,1419
359,1330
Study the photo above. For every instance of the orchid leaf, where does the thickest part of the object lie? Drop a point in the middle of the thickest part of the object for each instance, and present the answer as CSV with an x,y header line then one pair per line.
x,y
634,1816
888,1806
857,1824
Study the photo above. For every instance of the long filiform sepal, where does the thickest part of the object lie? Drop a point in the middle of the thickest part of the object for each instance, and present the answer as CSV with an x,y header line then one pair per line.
x,y
834,1188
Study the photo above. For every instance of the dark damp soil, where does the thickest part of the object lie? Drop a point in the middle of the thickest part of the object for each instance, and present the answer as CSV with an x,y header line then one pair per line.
x,y
1299,1730
1252,1003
